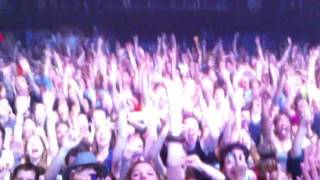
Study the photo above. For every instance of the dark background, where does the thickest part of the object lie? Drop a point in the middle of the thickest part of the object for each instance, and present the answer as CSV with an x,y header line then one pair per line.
x,y
210,19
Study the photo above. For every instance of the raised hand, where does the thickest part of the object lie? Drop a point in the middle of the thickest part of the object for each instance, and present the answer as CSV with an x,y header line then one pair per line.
x,y
17,148
48,99
22,104
311,162
100,42
24,64
132,151
72,139
135,39
225,73
306,114
47,52
314,52
159,40
289,40
175,101
4,168
196,40
129,47
173,39
257,41
193,161
236,35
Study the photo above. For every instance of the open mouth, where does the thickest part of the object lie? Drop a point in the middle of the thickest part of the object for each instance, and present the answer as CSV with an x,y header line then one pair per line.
x,y
34,151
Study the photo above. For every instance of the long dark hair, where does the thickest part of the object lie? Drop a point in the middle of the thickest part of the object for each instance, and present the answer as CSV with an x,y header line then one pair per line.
x,y
44,155
128,177
28,166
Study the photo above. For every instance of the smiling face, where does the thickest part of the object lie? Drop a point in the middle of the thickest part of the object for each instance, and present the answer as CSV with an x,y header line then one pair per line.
x,y
282,126
191,132
235,165
35,147
61,131
103,136
143,171
135,147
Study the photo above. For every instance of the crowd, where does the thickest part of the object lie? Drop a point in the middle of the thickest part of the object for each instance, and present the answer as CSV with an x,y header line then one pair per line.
x,y
74,108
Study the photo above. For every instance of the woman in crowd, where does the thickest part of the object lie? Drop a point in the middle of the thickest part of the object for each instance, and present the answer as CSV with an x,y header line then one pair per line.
x,y
173,113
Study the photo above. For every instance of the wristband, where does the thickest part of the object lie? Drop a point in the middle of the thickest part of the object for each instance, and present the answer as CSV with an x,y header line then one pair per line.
x,y
171,138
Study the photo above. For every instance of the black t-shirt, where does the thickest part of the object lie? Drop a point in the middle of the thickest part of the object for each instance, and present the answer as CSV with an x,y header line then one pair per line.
x,y
293,165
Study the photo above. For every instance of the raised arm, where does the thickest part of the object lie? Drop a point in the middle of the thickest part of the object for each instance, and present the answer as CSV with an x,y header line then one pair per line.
x,y
132,57
71,140
195,162
173,55
22,105
175,157
48,99
266,121
286,53
259,49
211,140
198,48
280,82
311,85
121,141
58,62
296,150
235,44
24,64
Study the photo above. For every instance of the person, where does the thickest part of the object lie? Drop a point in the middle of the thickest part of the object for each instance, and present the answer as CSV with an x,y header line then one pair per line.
x,y
104,139
167,113
6,157
142,170
36,150
84,166
27,171
81,163
234,158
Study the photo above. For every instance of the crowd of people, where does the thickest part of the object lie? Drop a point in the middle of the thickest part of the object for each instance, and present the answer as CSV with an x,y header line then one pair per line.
x,y
75,108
